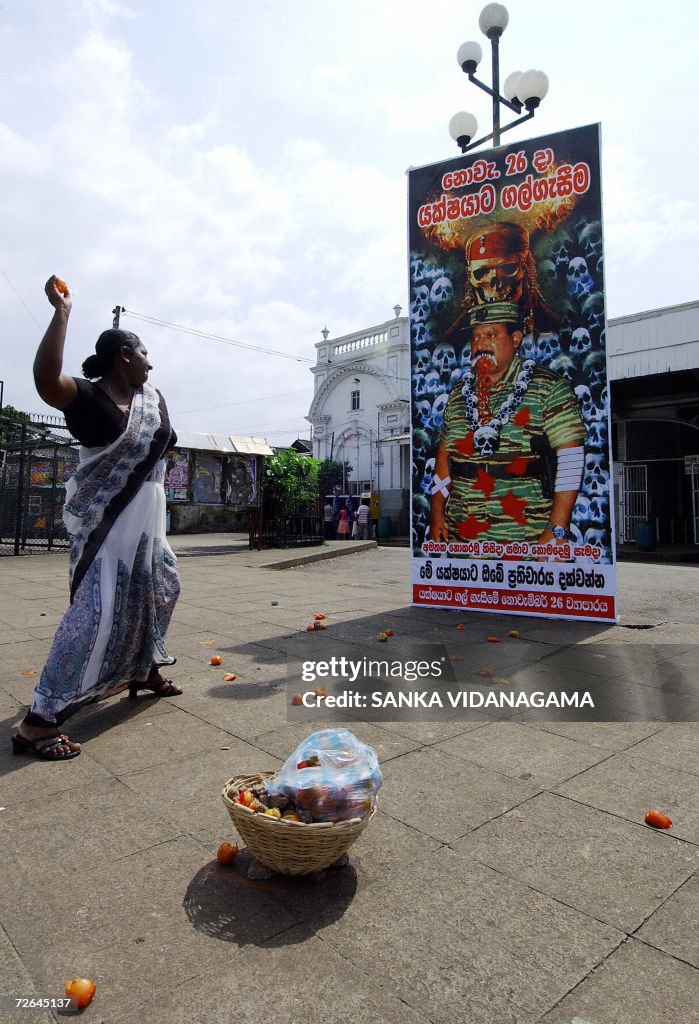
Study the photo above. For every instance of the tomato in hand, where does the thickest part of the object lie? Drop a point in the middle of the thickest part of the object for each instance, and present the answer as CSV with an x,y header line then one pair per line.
x,y
61,286
82,990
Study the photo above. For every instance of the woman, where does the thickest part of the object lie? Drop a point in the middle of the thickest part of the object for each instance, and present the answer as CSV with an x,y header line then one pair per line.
x,y
123,574
343,526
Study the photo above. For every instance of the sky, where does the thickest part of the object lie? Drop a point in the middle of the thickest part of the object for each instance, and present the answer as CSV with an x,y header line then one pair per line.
x,y
238,169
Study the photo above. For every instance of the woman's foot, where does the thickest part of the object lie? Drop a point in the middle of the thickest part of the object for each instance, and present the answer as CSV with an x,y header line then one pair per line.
x,y
157,685
46,744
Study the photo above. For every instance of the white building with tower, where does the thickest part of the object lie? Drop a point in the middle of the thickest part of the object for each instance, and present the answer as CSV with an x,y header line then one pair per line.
x,y
360,412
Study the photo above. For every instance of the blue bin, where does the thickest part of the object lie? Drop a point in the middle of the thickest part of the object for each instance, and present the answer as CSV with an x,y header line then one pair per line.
x,y
646,537
384,527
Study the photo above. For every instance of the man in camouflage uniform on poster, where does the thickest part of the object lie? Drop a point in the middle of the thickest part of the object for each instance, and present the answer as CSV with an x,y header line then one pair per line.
x,y
511,452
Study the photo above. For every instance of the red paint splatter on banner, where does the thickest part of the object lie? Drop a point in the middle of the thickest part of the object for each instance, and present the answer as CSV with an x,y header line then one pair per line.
x,y
465,446
522,416
518,466
484,482
514,507
471,528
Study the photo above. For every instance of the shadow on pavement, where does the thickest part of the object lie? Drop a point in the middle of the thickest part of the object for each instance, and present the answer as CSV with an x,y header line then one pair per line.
x,y
227,905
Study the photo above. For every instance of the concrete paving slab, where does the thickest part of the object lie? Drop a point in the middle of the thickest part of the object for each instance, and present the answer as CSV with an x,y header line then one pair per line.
x,y
39,837
430,733
673,927
443,797
187,791
676,745
241,715
87,916
531,908
628,785
612,736
635,984
302,980
24,778
474,945
518,752
16,982
164,739
613,870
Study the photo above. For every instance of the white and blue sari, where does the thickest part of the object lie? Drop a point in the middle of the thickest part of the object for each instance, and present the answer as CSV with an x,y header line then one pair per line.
x,y
123,574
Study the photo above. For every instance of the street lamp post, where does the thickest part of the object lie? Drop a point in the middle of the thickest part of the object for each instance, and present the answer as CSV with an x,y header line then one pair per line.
x,y
522,90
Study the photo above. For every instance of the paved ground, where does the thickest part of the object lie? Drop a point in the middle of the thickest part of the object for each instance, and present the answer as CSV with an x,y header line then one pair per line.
x,y
507,878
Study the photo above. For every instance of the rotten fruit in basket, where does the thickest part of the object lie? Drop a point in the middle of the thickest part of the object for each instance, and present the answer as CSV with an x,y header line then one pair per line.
x,y
658,819
226,854
82,990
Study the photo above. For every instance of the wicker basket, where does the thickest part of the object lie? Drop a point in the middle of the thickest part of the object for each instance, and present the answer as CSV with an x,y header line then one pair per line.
x,y
289,847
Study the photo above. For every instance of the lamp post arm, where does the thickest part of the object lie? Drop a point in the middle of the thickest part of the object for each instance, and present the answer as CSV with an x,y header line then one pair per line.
x,y
514,105
487,138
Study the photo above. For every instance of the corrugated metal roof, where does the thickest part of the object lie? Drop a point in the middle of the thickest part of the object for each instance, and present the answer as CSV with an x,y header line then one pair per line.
x,y
223,444
251,445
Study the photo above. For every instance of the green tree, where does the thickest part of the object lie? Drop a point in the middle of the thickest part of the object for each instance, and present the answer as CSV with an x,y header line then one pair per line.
x,y
10,432
332,474
290,479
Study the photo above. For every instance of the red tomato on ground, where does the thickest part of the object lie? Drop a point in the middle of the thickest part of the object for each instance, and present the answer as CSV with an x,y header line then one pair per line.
x,y
658,819
226,854
82,990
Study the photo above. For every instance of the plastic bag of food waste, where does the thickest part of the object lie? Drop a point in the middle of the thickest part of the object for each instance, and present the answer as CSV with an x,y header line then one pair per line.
x,y
331,775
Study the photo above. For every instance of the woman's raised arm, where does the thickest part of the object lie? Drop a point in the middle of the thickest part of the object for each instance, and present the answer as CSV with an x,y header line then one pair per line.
x,y
55,387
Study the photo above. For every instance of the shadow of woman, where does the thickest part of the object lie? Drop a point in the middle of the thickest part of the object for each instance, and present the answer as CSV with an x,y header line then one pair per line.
x,y
225,904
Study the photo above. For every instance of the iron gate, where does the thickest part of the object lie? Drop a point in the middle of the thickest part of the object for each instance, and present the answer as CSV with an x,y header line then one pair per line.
x,y
633,498
34,469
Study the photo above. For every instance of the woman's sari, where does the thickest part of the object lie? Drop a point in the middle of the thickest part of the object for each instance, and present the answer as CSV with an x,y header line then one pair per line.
x,y
123,573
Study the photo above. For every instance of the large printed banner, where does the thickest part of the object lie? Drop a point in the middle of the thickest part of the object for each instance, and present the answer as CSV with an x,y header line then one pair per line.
x,y
512,508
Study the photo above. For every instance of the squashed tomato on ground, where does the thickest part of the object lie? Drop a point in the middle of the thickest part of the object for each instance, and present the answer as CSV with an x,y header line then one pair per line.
x,y
226,854
82,990
657,819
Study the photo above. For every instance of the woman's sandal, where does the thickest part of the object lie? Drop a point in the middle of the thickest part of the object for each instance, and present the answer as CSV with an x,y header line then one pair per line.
x,y
42,746
164,688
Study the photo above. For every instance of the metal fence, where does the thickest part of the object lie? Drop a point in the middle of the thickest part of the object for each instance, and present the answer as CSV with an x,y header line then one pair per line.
x,y
34,467
299,526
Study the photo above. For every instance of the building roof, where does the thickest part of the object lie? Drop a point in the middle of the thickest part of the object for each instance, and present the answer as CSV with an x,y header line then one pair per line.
x,y
223,444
